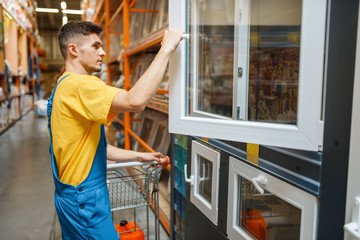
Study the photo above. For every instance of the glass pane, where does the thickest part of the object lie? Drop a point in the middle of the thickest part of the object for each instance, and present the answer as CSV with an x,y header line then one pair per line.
x,y
211,51
266,216
205,178
274,53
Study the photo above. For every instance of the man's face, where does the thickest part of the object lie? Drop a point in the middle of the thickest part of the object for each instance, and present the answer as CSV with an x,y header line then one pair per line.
x,y
91,53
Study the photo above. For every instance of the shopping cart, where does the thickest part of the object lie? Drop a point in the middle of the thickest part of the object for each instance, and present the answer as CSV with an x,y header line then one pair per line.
x,y
134,185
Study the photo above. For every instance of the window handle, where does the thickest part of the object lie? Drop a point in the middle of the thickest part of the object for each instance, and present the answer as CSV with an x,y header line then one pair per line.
x,y
185,36
190,179
259,179
353,227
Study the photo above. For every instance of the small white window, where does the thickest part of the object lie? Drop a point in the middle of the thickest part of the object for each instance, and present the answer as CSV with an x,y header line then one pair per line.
x,y
261,206
205,174
251,71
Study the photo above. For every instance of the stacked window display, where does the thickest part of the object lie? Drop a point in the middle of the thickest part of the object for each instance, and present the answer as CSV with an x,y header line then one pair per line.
x,y
263,207
248,87
268,62
255,68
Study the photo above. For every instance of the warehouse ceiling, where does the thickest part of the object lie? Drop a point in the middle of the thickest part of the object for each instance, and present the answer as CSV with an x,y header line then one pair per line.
x,y
53,21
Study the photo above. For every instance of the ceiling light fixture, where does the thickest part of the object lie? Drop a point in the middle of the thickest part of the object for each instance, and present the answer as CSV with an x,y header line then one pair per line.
x,y
70,11
47,10
64,20
63,5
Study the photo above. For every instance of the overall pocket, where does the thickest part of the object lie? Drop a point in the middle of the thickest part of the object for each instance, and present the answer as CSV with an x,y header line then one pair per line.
x,y
102,206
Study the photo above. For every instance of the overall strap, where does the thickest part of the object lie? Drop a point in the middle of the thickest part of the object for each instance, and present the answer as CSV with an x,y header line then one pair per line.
x,y
49,109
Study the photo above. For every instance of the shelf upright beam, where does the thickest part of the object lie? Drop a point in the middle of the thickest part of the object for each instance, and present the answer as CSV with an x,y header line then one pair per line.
x,y
4,85
126,26
107,36
19,101
32,69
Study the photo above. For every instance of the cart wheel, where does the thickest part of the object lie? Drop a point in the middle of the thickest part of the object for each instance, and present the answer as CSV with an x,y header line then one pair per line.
x,y
123,223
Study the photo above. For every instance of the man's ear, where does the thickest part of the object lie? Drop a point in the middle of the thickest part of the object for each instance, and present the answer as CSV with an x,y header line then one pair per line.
x,y
73,50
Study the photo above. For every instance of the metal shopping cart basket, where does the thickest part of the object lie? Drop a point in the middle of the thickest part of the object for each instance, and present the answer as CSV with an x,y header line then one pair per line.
x,y
133,185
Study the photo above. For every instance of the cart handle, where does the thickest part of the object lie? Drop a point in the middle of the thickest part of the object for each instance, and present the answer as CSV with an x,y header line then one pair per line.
x,y
129,164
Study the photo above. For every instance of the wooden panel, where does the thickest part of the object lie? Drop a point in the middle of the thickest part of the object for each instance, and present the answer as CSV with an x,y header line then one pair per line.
x,y
11,44
23,53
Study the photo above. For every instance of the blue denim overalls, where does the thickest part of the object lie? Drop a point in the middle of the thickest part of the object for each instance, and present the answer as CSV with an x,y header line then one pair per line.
x,y
84,211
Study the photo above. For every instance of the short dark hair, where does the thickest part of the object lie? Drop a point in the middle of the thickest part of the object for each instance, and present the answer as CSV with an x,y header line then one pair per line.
x,y
74,30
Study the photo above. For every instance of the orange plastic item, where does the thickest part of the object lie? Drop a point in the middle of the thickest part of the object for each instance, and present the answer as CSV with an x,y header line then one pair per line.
x,y
133,235
165,161
255,224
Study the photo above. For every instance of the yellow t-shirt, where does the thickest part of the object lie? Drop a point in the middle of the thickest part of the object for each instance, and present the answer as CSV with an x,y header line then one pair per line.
x,y
81,105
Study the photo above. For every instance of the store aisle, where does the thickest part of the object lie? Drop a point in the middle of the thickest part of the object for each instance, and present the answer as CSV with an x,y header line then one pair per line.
x,y
26,187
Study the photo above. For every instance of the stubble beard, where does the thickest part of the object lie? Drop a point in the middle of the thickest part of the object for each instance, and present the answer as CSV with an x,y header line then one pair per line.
x,y
94,69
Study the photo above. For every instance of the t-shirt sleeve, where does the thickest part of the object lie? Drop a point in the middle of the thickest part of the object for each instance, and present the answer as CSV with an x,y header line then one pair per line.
x,y
96,98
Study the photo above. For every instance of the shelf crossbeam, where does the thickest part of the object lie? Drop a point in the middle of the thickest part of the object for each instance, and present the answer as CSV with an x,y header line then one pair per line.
x,y
143,10
136,62
102,18
116,22
162,91
117,12
132,4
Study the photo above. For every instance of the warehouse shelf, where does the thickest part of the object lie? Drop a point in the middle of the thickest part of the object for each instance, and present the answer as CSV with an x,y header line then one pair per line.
x,y
21,26
23,19
159,106
99,5
17,95
152,40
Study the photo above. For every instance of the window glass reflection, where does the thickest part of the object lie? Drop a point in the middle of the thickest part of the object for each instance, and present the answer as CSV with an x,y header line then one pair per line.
x,y
266,217
262,40
204,175
211,57
274,55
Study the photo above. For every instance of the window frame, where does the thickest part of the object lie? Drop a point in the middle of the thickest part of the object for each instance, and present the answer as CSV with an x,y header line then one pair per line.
x,y
306,202
210,210
306,135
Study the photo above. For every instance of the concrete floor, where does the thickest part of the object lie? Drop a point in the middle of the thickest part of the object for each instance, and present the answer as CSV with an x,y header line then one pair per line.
x,y
26,185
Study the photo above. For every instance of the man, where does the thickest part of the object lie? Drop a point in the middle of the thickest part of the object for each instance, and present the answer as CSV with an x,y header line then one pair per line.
x,y
78,108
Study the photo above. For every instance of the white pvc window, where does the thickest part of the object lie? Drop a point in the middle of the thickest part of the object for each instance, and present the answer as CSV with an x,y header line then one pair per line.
x,y
252,71
205,175
261,206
